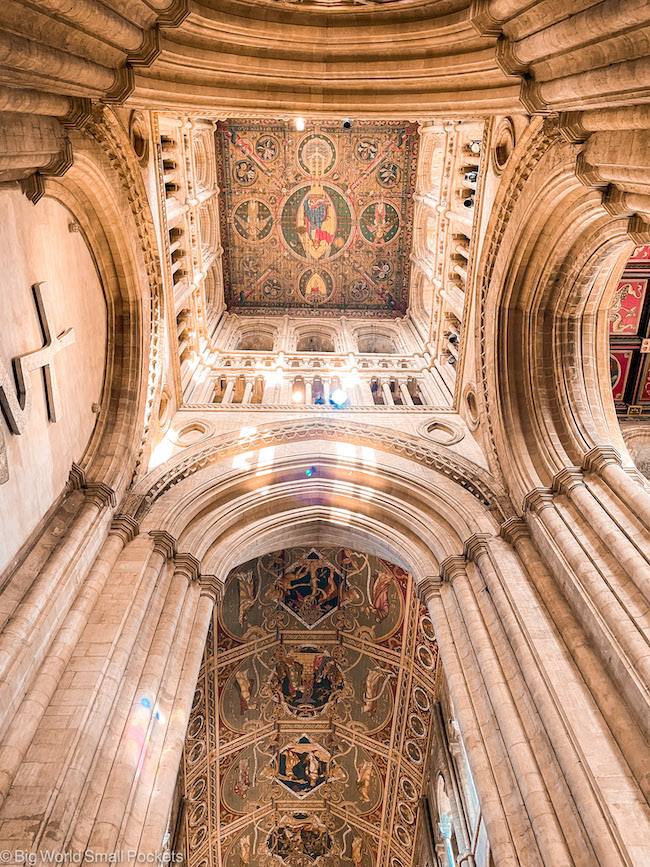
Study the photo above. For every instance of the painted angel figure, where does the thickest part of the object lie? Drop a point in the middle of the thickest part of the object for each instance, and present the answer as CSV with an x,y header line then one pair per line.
x,y
244,686
364,777
357,853
372,689
246,586
380,595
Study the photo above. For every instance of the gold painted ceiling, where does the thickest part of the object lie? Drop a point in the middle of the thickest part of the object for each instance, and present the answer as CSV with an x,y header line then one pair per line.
x,y
318,220
311,723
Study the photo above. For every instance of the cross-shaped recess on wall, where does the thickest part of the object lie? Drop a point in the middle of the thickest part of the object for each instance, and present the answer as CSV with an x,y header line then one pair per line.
x,y
17,406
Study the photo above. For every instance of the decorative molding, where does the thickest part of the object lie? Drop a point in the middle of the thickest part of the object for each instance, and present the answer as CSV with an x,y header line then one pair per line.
x,y
538,499
211,587
123,86
476,545
187,565
452,567
148,51
125,527
599,457
296,408
513,530
468,475
571,128
567,479
429,587
163,543
588,174
100,494
174,14
482,20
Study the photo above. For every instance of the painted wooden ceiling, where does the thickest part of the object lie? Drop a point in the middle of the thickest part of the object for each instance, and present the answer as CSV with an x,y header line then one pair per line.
x,y
318,220
311,724
629,337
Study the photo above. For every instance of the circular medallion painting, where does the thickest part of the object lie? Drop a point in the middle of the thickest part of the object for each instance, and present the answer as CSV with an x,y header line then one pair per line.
x,y
367,149
267,148
389,175
316,286
408,789
379,223
316,221
316,155
253,220
244,172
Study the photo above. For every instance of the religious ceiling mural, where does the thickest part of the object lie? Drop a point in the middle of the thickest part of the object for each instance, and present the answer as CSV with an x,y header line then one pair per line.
x,y
308,740
318,220
629,337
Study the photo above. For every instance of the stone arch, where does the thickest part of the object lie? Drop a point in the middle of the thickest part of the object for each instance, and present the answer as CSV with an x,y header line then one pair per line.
x,y
120,235
553,259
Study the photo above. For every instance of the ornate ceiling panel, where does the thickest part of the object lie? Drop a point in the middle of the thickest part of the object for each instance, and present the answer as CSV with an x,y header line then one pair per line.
x,y
317,220
322,684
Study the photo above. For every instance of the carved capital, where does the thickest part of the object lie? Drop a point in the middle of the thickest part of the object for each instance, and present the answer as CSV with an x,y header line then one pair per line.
x,y
100,494
148,51
513,530
429,588
211,587
600,457
476,545
125,527
538,499
60,162
33,187
77,477
639,230
588,174
481,19
163,543
567,479
122,86
506,57
174,14
571,127
452,567
614,201
187,565
531,98
79,114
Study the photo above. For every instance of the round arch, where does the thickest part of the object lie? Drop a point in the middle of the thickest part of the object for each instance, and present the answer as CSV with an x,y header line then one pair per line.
x,y
553,258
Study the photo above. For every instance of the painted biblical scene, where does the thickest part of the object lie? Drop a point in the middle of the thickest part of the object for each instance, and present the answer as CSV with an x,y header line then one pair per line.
x,y
305,214
311,725
299,768
301,838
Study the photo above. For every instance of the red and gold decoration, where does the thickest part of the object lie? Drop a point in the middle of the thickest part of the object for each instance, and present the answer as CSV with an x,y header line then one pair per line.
x,y
307,745
319,219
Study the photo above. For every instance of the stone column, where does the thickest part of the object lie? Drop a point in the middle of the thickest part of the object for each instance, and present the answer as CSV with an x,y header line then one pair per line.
x,y
620,641
606,463
455,797
563,772
30,713
57,579
159,806
501,692
134,739
501,841
248,390
570,482
96,744
615,711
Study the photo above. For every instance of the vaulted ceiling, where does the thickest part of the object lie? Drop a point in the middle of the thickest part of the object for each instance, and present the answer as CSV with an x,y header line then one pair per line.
x,y
319,219
311,725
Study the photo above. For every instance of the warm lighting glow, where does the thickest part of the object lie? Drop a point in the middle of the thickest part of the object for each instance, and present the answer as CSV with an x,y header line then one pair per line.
x,y
300,123
298,396
338,397
163,450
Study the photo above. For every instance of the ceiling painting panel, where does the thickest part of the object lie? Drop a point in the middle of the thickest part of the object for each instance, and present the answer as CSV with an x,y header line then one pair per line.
x,y
319,220
629,336
308,741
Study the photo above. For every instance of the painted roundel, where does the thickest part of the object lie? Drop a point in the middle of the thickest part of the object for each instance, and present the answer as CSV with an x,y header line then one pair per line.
x,y
316,155
267,148
253,220
366,149
316,221
244,173
389,174
379,223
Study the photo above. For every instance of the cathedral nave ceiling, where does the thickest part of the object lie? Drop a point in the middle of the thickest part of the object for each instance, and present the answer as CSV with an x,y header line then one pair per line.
x,y
323,684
